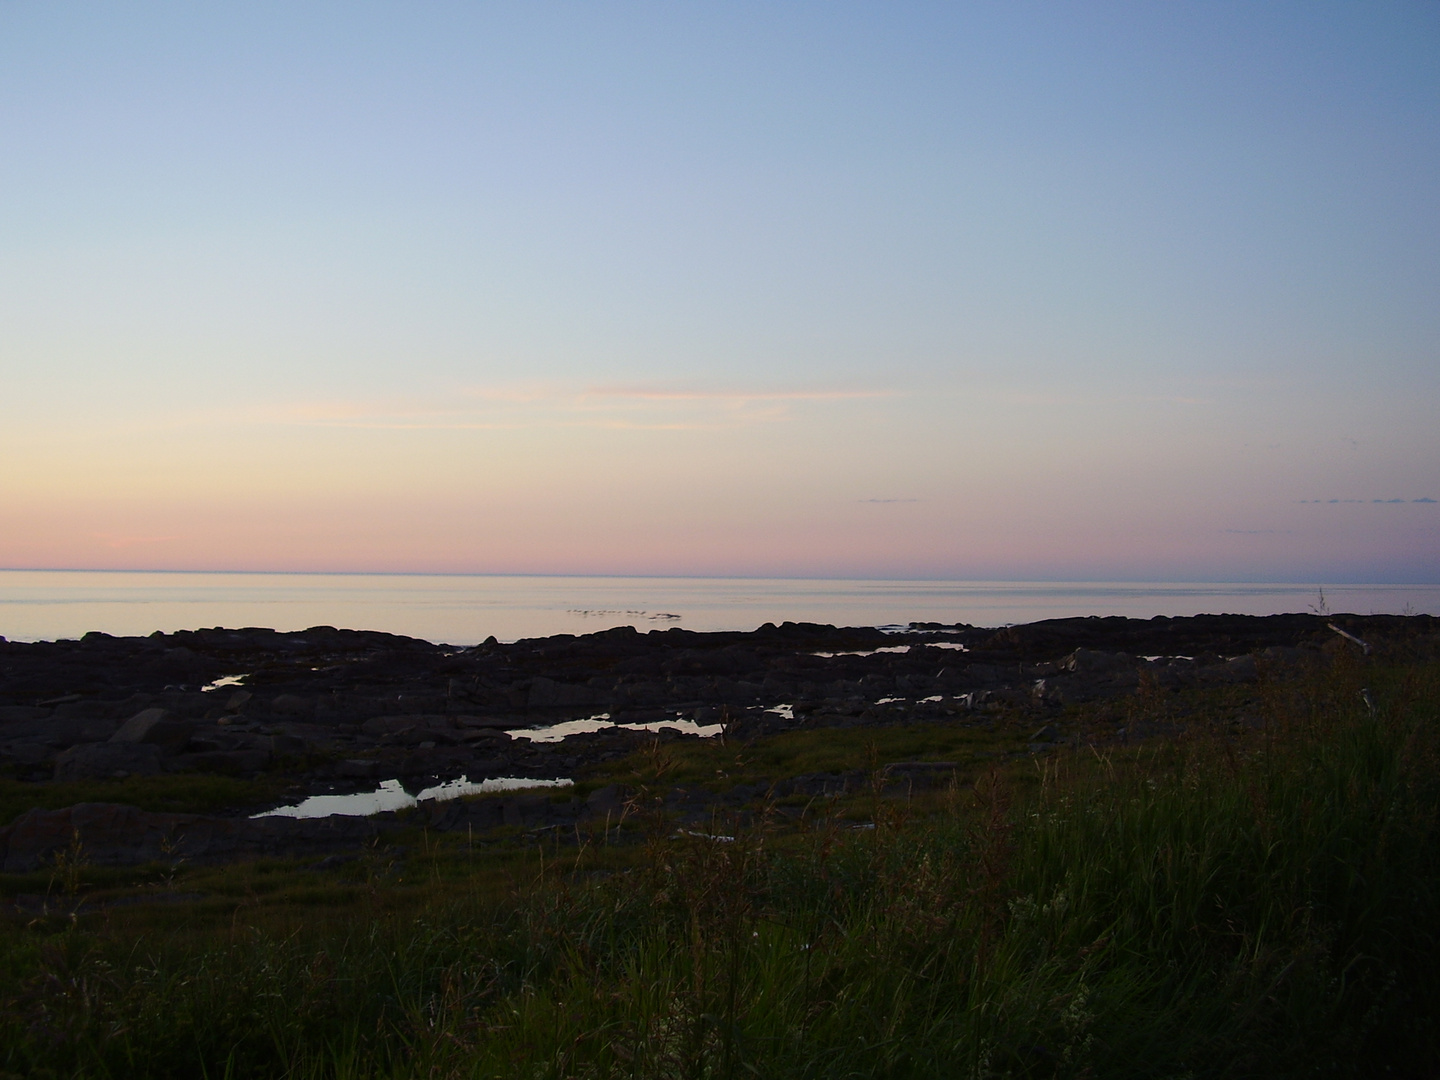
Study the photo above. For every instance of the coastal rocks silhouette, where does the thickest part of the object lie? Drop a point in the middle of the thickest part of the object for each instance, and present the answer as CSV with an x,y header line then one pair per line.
x,y
332,711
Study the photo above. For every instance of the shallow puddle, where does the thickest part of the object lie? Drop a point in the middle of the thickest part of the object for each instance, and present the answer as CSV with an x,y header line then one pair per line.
x,y
223,681
956,645
602,722
391,795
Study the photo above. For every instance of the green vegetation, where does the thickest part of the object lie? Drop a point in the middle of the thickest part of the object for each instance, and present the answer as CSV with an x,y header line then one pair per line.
x,y
816,750
1252,900
178,793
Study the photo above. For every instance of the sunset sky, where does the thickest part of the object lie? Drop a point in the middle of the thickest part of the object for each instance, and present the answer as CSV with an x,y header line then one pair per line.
x,y
1109,291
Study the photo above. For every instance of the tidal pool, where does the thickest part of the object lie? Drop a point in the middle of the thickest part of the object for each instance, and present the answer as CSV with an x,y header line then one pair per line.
x,y
391,795
602,722
956,645
222,682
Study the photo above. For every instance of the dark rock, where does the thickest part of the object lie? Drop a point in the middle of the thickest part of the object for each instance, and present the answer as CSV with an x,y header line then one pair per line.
x,y
101,761
1091,661
610,799
357,769
14,713
377,706
225,762
138,726
496,722
69,732
292,705
1241,669
28,752
547,693
283,743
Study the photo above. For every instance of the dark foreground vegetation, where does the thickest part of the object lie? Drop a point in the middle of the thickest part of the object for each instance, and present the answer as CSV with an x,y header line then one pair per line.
x,y
1258,895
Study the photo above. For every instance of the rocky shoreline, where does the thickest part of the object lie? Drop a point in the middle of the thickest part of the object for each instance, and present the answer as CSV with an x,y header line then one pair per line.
x,y
335,711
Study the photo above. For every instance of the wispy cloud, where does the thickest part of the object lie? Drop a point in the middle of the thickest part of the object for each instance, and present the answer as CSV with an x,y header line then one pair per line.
x,y
1363,502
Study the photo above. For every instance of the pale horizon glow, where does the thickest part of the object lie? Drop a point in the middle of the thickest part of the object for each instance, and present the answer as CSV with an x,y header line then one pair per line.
x,y
995,291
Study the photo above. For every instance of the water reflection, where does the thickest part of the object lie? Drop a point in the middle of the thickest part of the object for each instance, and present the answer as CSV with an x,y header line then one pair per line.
x,y
222,682
602,722
956,645
391,795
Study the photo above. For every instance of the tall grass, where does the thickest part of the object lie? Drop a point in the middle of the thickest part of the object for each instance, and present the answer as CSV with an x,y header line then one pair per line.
x,y
1252,903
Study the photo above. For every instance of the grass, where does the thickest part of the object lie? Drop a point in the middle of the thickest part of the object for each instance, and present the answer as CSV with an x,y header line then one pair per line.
x,y
178,793
1245,901
833,750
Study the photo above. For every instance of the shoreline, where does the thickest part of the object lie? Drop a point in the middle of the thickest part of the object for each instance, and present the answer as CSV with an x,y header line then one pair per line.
x,y
464,610
328,712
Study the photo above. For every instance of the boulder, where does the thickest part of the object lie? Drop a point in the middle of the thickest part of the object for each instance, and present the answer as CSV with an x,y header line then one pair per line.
x,y
156,726
281,743
1241,669
608,800
103,761
1091,661
69,731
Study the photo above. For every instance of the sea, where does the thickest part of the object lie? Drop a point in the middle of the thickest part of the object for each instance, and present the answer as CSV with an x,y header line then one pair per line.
x,y
464,609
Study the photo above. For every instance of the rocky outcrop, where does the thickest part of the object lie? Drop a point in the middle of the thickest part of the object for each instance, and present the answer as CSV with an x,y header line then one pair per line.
x,y
108,761
330,708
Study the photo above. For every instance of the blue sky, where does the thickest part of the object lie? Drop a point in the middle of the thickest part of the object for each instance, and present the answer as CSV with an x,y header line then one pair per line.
x,y
983,290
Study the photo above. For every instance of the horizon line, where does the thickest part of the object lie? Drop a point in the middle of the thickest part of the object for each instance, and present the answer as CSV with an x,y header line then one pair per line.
x,y
1305,583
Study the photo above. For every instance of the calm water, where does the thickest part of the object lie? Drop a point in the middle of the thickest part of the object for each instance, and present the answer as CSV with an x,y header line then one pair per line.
x,y
391,795
462,610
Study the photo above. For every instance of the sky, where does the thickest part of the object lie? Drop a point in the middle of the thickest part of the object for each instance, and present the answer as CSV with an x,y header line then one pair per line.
x,y
1074,291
